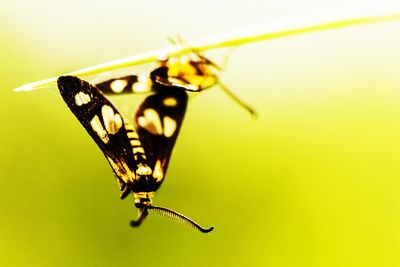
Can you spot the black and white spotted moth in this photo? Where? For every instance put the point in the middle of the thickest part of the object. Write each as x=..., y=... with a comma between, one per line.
x=138, y=153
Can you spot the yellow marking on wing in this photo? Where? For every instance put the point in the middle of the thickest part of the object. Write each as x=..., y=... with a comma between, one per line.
x=170, y=102
x=158, y=173
x=121, y=170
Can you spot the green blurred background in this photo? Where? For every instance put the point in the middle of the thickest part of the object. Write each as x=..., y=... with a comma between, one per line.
x=314, y=181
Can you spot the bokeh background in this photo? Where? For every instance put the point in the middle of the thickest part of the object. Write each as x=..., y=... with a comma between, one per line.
x=314, y=181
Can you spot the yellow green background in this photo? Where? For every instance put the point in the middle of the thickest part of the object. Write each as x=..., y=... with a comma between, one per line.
x=314, y=181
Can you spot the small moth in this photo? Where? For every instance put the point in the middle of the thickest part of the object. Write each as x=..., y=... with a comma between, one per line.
x=138, y=151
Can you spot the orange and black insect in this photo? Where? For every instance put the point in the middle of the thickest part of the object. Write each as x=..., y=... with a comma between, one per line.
x=139, y=149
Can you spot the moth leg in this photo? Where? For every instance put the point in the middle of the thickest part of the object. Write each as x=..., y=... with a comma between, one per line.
x=237, y=99
x=142, y=214
x=126, y=189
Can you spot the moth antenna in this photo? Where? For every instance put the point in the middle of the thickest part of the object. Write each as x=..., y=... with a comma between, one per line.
x=171, y=40
x=224, y=64
x=179, y=218
x=238, y=100
x=142, y=214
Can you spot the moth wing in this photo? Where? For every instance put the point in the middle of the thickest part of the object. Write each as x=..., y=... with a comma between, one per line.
x=130, y=84
x=102, y=121
x=158, y=121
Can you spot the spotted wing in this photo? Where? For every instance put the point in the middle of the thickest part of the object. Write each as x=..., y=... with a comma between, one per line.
x=133, y=84
x=103, y=122
x=158, y=121
x=130, y=84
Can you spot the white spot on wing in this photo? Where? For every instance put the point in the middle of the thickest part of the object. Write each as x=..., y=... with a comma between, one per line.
x=112, y=122
x=142, y=85
x=118, y=86
x=81, y=98
x=169, y=126
x=139, y=87
x=151, y=121
x=98, y=128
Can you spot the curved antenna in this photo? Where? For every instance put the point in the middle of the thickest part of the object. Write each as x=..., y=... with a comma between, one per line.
x=142, y=214
x=179, y=218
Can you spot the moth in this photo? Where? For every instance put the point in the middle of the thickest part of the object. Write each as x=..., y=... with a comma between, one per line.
x=139, y=150
x=193, y=72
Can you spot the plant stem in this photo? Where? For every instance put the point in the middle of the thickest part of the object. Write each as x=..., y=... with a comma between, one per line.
x=219, y=41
